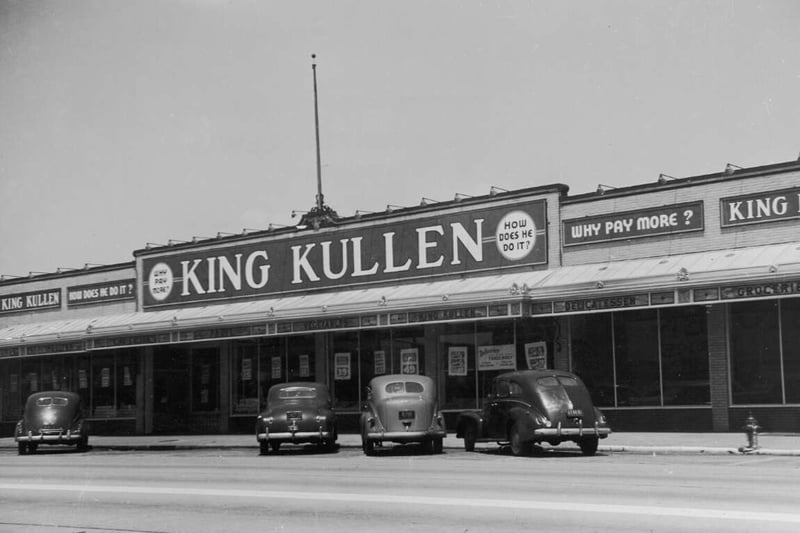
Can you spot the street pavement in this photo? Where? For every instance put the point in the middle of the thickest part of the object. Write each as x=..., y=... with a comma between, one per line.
x=787, y=444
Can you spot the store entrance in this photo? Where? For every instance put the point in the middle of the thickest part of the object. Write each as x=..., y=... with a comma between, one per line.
x=171, y=390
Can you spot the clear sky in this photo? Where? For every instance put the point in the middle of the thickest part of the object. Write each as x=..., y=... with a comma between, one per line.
x=127, y=122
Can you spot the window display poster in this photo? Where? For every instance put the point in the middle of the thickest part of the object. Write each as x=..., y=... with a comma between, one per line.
x=54, y=379
x=305, y=368
x=83, y=381
x=341, y=366
x=105, y=377
x=536, y=355
x=127, y=381
x=205, y=374
x=13, y=383
x=380, y=362
x=409, y=361
x=457, y=361
x=276, y=368
x=500, y=357
x=204, y=396
x=34, y=380
x=247, y=369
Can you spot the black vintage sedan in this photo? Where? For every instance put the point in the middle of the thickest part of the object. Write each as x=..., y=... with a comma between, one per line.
x=535, y=406
x=298, y=412
x=52, y=417
x=402, y=408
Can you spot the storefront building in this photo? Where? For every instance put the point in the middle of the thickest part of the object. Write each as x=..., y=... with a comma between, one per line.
x=677, y=302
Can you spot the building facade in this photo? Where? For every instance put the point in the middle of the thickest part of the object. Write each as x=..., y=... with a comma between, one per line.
x=677, y=302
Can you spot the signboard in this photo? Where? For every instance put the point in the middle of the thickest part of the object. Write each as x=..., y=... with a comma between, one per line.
x=456, y=243
x=101, y=292
x=500, y=357
x=30, y=301
x=665, y=220
x=760, y=207
x=600, y=304
x=380, y=362
x=761, y=290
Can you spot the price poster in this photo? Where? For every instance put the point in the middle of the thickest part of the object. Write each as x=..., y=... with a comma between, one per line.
x=247, y=369
x=380, y=362
x=536, y=355
x=409, y=361
x=305, y=368
x=276, y=368
x=341, y=366
x=457, y=361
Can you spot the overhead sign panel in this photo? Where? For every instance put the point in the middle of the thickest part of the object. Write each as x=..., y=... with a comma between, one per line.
x=468, y=241
x=761, y=207
x=664, y=220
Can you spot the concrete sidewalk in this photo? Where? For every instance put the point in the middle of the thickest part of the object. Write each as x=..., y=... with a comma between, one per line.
x=627, y=442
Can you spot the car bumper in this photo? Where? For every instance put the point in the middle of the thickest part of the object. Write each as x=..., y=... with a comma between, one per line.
x=50, y=438
x=570, y=433
x=405, y=436
x=297, y=436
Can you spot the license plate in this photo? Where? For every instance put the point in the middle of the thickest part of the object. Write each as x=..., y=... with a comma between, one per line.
x=294, y=415
x=574, y=413
x=407, y=415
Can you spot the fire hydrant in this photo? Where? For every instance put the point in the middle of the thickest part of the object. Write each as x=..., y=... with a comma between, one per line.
x=751, y=428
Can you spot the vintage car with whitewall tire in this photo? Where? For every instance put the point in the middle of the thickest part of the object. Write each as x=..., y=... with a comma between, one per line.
x=530, y=407
x=52, y=417
x=402, y=408
x=297, y=413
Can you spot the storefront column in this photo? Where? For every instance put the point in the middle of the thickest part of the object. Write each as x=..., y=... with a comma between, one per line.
x=719, y=370
x=224, y=386
x=144, y=411
x=321, y=359
x=561, y=345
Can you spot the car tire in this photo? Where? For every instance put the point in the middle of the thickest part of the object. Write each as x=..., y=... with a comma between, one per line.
x=519, y=447
x=369, y=447
x=22, y=448
x=470, y=437
x=588, y=445
x=275, y=445
x=83, y=444
x=263, y=447
x=32, y=446
x=438, y=446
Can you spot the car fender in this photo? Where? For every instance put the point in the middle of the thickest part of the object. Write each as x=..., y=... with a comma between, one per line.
x=525, y=419
x=473, y=418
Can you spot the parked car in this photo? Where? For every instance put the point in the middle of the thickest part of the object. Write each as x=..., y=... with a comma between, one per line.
x=52, y=417
x=534, y=406
x=402, y=408
x=297, y=412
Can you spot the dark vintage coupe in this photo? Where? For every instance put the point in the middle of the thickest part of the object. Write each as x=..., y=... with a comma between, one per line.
x=402, y=408
x=298, y=412
x=52, y=417
x=535, y=406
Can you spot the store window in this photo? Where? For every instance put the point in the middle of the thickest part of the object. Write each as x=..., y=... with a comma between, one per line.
x=755, y=353
x=205, y=379
x=103, y=386
x=496, y=352
x=593, y=355
x=344, y=348
x=408, y=350
x=10, y=397
x=457, y=346
x=684, y=356
x=300, y=358
x=637, y=358
x=244, y=378
x=790, y=332
x=374, y=355
x=271, y=365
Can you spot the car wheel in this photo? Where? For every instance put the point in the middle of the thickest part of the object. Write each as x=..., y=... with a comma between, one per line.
x=589, y=445
x=438, y=445
x=83, y=444
x=263, y=447
x=22, y=448
x=32, y=446
x=276, y=445
x=368, y=446
x=519, y=447
x=470, y=436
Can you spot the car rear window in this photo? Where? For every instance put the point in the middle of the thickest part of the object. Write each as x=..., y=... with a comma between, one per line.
x=553, y=381
x=399, y=387
x=47, y=400
x=297, y=392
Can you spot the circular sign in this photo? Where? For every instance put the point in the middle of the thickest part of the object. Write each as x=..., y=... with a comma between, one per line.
x=160, y=281
x=515, y=235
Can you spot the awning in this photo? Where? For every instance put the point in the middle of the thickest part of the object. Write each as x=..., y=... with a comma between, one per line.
x=741, y=265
